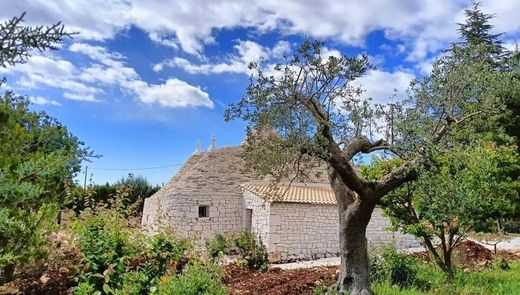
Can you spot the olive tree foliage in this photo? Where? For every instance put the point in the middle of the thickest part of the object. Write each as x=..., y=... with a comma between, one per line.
x=309, y=110
x=38, y=155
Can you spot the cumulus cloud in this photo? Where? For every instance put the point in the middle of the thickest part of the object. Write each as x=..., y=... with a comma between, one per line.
x=245, y=52
x=47, y=71
x=425, y=26
x=281, y=48
x=174, y=93
x=380, y=86
x=106, y=70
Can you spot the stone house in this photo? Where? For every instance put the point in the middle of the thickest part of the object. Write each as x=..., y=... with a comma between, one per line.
x=214, y=193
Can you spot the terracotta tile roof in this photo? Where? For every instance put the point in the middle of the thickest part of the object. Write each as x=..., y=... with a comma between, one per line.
x=293, y=193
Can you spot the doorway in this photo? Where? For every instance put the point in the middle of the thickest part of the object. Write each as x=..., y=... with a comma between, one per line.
x=248, y=219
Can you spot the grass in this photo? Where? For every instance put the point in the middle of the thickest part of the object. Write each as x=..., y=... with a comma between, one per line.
x=490, y=281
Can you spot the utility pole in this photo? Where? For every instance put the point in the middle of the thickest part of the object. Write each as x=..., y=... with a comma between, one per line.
x=85, y=181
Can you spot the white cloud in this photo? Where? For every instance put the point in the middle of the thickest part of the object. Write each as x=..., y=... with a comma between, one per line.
x=107, y=70
x=97, y=53
x=80, y=97
x=52, y=72
x=43, y=101
x=380, y=85
x=327, y=52
x=425, y=26
x=512, y=45
x=246, y=52
x=174, y=93
x=281, y=48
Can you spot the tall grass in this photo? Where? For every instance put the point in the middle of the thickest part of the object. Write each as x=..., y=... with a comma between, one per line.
x=493, y=281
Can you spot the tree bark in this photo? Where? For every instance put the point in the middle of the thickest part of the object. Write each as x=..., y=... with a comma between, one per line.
x=354, y=278
x=354, y=216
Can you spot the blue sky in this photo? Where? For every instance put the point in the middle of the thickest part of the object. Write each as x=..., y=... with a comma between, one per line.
x=143, y=81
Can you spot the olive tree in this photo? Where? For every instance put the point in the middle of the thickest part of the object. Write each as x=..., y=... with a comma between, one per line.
x=310, y=111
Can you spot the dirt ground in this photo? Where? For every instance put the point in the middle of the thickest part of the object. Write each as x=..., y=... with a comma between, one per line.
x=277, y=281
x=56, y=276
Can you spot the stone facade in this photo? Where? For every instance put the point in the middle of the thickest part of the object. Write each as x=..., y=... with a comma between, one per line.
x=303, y=231
x=379, y=233
x=308, y=231
x=304, y=226
x=260, y=217
x=182, y=215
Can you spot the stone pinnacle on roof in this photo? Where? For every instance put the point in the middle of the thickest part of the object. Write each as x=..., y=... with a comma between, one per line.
x=213, y=145
x=197, y=148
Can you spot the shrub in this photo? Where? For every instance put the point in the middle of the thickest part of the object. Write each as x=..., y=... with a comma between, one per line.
x=196, y=279
x=394, y=267
x=512, y=226
x=218, y=246
x=105, y=247
x=165, y=250
x=117, y=259
x=134, y=283
x=84, y=289
x=253, y=251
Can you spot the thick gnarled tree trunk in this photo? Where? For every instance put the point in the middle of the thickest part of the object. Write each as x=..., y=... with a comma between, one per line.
x=354, y=216
x=354, y=276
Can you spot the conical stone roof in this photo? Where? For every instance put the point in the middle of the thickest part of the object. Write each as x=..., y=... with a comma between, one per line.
x=216, y=172
x=220, y=171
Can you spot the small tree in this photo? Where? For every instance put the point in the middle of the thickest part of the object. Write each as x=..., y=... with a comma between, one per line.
x=467, y=190
x=315, y=115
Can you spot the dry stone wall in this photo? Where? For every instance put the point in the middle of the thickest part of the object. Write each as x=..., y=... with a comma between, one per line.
x=303, y=231
x=289, y=230
x=379, y=233
x=309, y=231
x=181, y=213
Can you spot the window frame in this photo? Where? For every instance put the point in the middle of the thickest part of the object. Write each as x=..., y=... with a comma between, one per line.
x=203, y=211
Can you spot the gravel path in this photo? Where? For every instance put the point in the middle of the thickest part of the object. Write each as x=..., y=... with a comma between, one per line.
x=332, y=261
x=511, y=244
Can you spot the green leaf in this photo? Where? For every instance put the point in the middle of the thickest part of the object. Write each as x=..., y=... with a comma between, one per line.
x=107, y=289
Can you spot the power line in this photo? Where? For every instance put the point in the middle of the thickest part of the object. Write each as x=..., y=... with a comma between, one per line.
x=134, y=169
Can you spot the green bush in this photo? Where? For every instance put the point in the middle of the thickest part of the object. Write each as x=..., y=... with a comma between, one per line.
x=105, y=249
x=84, y=289
x=512, y=226
x=117, y=259
x=134, y=283
x=164, y=250
x=218, y=246
x=391, y=266
x=253, y=251
x=196, y=279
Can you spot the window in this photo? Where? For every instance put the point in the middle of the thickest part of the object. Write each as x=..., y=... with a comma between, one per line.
x=203, y=211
